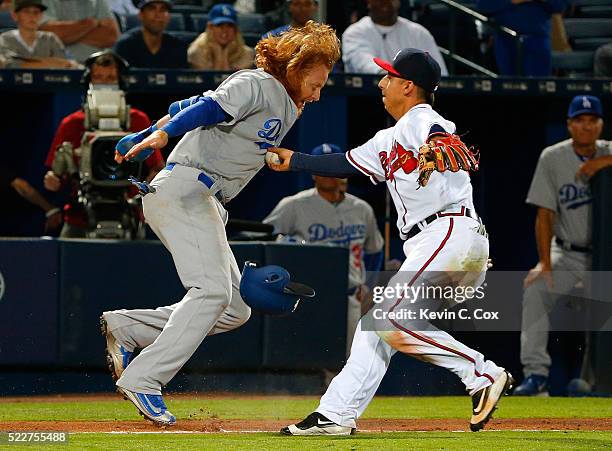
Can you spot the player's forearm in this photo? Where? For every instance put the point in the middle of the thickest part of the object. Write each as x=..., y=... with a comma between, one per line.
x=104, y=35
x=69, y=31
x=29, y=193
x=330, y=165
x=545, y=220
x=203, y=113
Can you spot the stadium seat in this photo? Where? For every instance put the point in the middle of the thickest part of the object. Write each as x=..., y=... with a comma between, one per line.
x=129, y=22
x=198, y=22
x=187, y=10
x=573, y=62
x=588, y=28
x=595, y=11
x=580, y=3
x=6, y=21
x=186, y=36
x=589, y=43
x=177, y=22
x=252, y=23
x=251, y=39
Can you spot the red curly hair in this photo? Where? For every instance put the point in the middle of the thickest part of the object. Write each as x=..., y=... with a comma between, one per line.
x=287, y=56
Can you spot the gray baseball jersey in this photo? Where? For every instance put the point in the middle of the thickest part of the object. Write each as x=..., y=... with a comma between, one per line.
x=351, y=223
x=46, y=45
x=554, y=187
x=232, y=152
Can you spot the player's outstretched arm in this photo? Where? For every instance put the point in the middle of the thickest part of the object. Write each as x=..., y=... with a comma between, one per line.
x=329, y=165
x=132, y=145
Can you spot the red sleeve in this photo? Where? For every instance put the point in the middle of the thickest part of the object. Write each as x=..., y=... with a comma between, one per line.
x=71, y=129
x=139, y=121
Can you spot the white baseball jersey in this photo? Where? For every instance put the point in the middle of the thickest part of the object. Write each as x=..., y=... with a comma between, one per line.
x=232, y=152
x=392, y=156
x=351, y=223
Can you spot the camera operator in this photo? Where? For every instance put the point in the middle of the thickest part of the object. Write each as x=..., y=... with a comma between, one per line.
x=102, y=68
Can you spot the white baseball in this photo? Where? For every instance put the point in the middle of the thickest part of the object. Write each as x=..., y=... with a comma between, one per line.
x=272, y=158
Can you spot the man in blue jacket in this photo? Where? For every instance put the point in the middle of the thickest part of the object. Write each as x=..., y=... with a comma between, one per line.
x=531, y=19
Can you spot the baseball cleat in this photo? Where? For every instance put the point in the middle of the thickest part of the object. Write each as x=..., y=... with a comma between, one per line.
x=117, y=357
x=484, y=402
x=533, y=385
x=317, y=424
x=152, y=407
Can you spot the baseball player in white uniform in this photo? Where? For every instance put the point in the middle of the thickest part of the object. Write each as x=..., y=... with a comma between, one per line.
x=441, y=231
x=327, y=214
x=562, y=194
x=227, y=132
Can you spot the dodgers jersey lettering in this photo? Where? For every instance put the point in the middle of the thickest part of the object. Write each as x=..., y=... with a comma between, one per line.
x=232, y=152
x=392, y=156
x=350, y=223
x=554, y=187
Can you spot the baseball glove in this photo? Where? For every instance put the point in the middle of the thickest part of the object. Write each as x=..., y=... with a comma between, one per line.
x=445, y=152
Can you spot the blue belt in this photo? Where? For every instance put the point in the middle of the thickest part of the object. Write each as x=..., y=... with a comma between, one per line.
x=206, y=180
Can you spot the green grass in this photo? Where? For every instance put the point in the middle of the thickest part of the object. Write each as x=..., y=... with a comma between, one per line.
x=274, y=408
x=407, y=441
x=288, y=408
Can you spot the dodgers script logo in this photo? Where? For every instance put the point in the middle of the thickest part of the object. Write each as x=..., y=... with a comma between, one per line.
x=342, y=235
x=270, y=132
x=573, y=196
x=399, y=158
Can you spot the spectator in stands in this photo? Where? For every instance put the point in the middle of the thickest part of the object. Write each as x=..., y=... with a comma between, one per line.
x=151, y=46
x=84, y=26
x=383, y=33
x=27, y=47
x=122, y=7
x=530, y=18
x=221, y=46
x=301, y=11
x=105, y=68
x=603, y=61
x=561, y=192
x=18, y=199
x=6, y=5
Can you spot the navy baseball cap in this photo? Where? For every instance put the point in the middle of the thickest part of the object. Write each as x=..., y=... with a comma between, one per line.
x=414, y=65
x=326, y=148
x=584, y=105
x=142, y=3
x=222, y=13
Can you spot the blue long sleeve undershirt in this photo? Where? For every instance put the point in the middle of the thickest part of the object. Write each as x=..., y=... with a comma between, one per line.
x=328, y=165
x=200, y=112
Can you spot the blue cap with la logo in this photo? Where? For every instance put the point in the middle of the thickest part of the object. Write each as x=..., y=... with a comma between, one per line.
x=584, y=105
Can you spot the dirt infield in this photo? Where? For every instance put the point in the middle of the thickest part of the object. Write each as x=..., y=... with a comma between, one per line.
x=216, y=425
x=369, y=425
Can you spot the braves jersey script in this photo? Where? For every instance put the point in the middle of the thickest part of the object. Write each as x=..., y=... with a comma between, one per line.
x=554, y=187
x=307, y=216
x=232, y=152
x=392, y=156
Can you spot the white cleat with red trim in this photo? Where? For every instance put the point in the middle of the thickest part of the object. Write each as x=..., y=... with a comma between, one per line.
x=484, y=402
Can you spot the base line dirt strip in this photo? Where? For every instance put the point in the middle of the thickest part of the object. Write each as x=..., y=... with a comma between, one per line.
x=369, y=425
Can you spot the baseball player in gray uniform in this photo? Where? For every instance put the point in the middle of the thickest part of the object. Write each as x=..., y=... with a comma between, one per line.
x=327, y=214
x=227, y=132
x=561, y=192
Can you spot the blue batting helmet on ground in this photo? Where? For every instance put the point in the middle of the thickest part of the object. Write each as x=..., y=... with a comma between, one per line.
x=269, y=289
